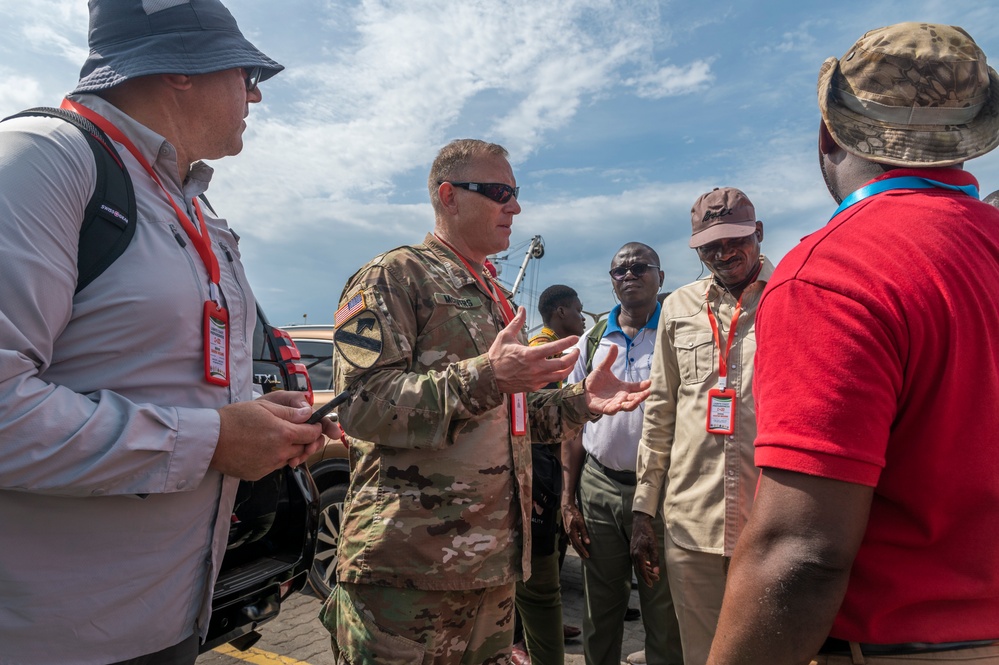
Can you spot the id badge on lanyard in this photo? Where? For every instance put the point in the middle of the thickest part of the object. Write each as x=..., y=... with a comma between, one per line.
x=215, y=320
x=721, y=411
x=518, y=401
x=216, y=343
x=518, y=414
x=721, y=400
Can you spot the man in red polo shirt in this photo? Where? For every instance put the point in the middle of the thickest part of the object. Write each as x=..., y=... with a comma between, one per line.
x=875, y=532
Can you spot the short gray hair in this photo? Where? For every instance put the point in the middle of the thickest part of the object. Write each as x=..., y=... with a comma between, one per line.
x=453, y=159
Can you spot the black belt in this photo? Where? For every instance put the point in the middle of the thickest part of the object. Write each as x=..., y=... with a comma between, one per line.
x=836, y=647
x=623, y=477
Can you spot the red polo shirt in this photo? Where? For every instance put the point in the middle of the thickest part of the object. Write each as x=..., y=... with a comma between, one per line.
x=878, y=364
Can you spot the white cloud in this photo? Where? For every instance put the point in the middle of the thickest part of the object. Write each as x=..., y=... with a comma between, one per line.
x=19, y=91
x=672, y=80
x=52, y=27
x=49, y=37
x=367, y=117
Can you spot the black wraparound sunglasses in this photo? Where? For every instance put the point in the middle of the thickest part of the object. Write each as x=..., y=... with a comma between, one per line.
x=496, y=191
x=636, y=269
x=252, y=78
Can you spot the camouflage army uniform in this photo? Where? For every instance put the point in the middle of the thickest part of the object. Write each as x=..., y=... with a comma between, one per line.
x=440, y=488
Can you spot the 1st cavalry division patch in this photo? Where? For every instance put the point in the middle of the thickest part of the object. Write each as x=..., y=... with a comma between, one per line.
x=359, y=341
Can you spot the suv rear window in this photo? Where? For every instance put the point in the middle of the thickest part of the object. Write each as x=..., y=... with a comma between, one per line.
x=317, y=356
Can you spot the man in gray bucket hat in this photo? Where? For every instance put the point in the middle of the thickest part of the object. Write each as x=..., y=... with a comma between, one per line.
x=874, y=535
x=126, y=409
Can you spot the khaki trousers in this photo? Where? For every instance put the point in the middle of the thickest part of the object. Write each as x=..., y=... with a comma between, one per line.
x=697, y=584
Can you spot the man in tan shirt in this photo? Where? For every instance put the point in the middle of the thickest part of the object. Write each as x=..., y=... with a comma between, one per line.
x=695, y=458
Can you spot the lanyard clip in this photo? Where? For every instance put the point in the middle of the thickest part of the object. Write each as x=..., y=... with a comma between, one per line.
x=213, y=294
x=722, y=382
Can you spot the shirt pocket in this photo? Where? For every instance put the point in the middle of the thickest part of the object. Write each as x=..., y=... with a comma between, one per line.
x=695, y=356
x=451, y=335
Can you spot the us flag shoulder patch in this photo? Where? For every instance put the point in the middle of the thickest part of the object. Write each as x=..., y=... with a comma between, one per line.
x=349, y=309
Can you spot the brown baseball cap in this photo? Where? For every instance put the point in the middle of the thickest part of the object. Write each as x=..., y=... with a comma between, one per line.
x=724, y=212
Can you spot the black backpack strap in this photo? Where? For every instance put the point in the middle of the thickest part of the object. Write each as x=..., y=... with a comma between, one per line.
x=204, y=199
x=110, y=215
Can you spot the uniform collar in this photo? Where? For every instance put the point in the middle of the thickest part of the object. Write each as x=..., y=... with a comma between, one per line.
x=450, y=259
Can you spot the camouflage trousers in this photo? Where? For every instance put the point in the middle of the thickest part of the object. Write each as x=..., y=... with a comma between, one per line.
x=391, y=626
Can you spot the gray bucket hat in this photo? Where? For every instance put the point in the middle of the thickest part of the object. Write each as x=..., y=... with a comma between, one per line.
x=132, y=38
x=912, y=94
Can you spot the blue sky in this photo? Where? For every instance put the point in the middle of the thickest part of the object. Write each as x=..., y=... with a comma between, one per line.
x=618, y=114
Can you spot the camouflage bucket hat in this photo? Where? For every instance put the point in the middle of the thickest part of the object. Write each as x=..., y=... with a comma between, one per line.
x=912, y=94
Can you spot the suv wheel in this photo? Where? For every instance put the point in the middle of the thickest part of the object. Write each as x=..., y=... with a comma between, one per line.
x=322, y=576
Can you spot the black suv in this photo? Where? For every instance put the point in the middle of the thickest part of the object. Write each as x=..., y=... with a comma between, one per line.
x=272, y=539
x=330, y=466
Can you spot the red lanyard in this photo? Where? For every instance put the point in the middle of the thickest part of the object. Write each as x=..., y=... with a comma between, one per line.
x=724, y=355
x=215, y=323
x=518, y=401
x=494, y=291
x=199, y=237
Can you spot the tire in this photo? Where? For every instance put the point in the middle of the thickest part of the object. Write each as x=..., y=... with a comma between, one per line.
x=322, y=576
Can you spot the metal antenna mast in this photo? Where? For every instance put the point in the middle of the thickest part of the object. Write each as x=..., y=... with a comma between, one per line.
x=534, y=251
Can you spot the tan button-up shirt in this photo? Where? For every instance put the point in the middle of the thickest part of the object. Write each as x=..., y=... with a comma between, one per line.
x=704, y=482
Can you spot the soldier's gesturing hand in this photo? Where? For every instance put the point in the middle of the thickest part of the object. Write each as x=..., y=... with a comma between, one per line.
x=522, y=369
x=607, y=394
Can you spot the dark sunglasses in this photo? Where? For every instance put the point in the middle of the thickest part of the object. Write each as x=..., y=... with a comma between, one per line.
x=252, y=78
x=636, y=269
x=496, y=191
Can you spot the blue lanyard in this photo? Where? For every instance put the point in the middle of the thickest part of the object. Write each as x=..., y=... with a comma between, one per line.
x=902, y=182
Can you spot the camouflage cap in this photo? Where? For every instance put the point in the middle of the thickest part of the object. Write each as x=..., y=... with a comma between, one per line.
x=724, y=212
x=912, y=94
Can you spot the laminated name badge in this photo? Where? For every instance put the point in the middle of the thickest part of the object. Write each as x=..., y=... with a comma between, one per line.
x=721, y=400
x=518, y=414
x=721, y=411
x=216, y=344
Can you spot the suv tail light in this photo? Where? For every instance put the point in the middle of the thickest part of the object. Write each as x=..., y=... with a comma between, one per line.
x=290, y=358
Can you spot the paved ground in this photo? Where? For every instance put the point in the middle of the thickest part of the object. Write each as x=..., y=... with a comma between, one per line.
x=297, y=638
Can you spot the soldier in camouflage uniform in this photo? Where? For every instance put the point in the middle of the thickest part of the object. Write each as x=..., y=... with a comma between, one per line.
x=432, y=539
